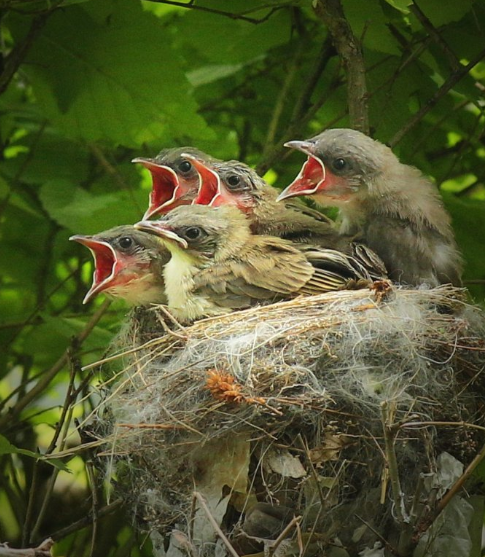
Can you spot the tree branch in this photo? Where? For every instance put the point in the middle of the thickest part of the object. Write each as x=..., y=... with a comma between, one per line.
x=434, y=34
x=54, y=370
x=231, y=15
x=350, y=51
x=17, y=55
x=452, y=80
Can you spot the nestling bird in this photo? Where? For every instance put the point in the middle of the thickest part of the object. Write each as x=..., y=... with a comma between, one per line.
x=234, y=183
x=128, y=264
x=175, y=180
x=218, y=265
x=393, y=208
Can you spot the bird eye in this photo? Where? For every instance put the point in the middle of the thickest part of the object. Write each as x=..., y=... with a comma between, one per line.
x=126, y=242
x=339, y=164
x=185, y=166
x=233, y=181
x=193, y=233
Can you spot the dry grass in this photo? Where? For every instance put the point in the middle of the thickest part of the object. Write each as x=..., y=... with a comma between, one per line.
x=313, y=407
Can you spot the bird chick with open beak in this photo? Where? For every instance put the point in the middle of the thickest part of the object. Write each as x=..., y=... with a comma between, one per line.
x=218, y=265
x=175, y=180
x=128, y=264
x=396, y=210
x=236, y=184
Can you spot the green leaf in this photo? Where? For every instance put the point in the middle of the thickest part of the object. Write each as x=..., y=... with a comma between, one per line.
x=401, y=5
x=237, y=41
x=369, y=24
x=7, y=448
x=85, y=213
x=107, y=71
x=441, y=13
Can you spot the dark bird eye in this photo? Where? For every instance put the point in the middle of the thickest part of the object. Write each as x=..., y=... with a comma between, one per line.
x=185, y=166
x=233, y=181
x=193, y=233
x=339, y=164
x=126, y=242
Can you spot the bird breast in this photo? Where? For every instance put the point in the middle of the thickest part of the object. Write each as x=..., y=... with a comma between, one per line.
x=179, y=288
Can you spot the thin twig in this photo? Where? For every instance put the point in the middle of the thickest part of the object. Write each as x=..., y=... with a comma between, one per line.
x=445, y=500
x=216, y=526
x=18, y=54
x=435, y=35
x=114, y=172
x=379, y=536
x=282, y=98
x=294, y=522
x=231, y=15
x=390, y=432
x=350, y=51
x=452, y=80
x=87, y=520
x=49, y=375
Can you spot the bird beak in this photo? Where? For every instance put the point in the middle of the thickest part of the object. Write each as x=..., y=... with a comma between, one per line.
x=306, y=147
x=106, y=264
x=163, y=231
x=309, y=180
x=165, y=189
x=210, y=184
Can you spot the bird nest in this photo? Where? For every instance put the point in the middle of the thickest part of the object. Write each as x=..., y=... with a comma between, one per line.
x=324, y=425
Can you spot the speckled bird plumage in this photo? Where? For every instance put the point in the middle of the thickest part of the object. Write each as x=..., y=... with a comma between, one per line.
x=229, y=268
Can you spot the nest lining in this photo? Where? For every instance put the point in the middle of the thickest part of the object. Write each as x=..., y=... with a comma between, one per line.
x=290, y=396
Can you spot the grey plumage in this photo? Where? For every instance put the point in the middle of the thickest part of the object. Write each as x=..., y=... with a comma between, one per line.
x=392, y=207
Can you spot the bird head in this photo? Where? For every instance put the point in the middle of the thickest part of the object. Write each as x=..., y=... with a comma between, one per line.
x=341, y=166
x=199, y=232
x=228, y=183
x=124, y=265
x=175, y=180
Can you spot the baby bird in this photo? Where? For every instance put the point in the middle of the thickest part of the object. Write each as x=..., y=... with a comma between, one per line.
x=234, y=183
x=128, y=264
x=175, y=180
x=218, y=265
x=395, y=210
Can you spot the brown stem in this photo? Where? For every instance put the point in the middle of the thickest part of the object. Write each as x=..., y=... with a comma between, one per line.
x=350, y=51
x=18, y=54
x=434, y=34
x=216, y=526
x=452, y=80
x=38, y=389
x=445, y=500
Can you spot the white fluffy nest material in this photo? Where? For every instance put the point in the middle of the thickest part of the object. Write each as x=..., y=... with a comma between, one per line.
x=279, y=411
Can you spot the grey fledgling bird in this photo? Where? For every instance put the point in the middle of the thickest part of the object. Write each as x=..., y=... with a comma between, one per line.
x=393, y=208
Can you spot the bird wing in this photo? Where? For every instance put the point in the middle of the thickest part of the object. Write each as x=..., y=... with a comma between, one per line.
x=269, y=269
x=273, y=269
x=334, y=270
x=370, y=260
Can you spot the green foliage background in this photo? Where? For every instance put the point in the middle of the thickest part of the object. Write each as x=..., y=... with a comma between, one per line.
x=88, y=85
